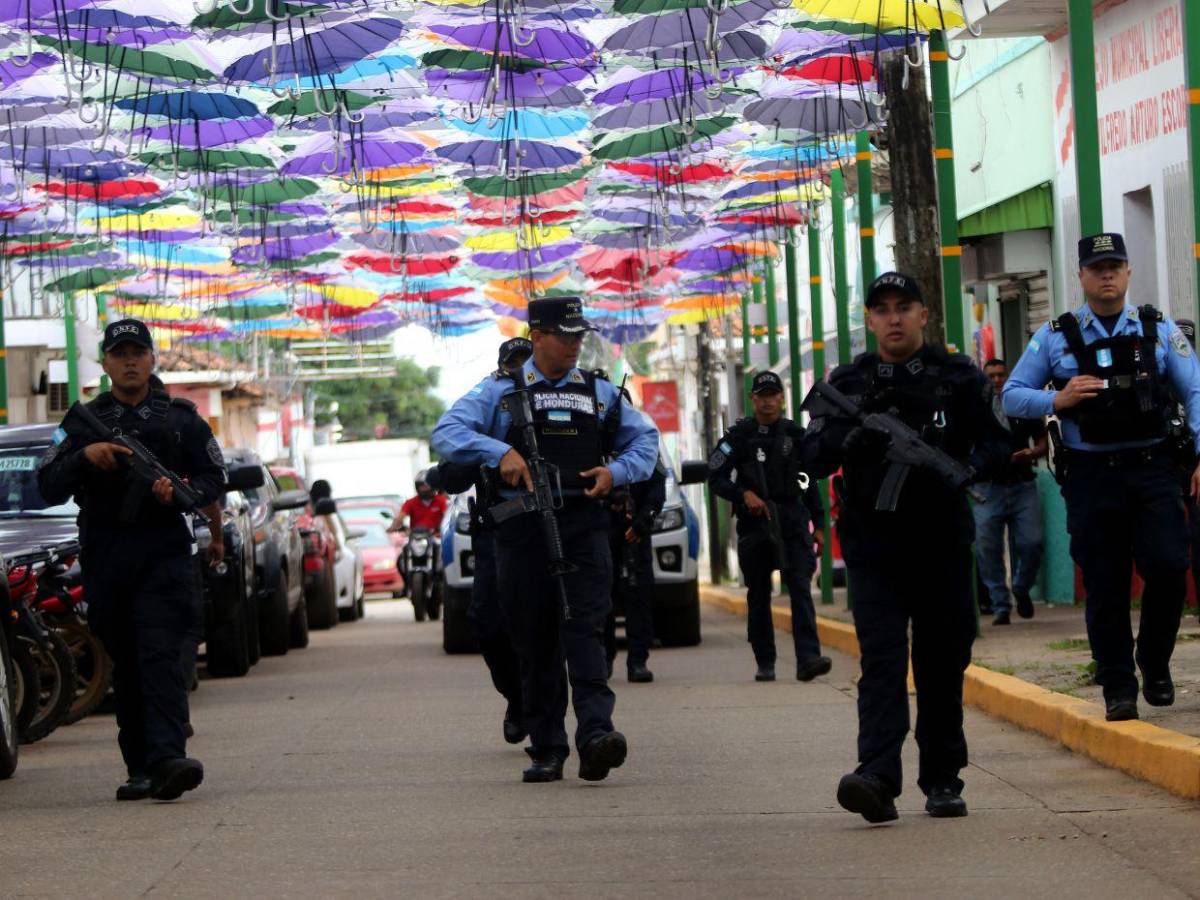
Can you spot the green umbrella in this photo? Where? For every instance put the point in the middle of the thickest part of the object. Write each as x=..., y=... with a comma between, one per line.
x=473, y=61
x=306, y=105
x=135, y=62
x=267, y=193
x=660, y=140
x=526, y=185
x=87, y=279
x=225, y=18
x=208, y=160
x=313, y=259
x=250, y=310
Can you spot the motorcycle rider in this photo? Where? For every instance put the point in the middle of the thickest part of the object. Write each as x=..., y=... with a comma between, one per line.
x=425, y=510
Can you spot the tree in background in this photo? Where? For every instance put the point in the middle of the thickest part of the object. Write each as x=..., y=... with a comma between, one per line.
x=401, y=405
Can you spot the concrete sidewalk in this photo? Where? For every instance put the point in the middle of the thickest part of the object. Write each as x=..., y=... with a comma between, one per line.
x=371, y=765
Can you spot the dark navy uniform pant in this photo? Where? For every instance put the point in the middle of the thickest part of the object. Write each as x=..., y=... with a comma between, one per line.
x=931, y=586
x=145, y=607
x=490, y=628
x=554, y=652
x=1121, y=513
x=757, y=560
x=638, y=603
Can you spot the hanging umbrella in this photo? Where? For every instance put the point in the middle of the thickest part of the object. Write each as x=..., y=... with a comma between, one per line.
x=87, y=280
x=814, y=115
x=318, y=52
x=660, y=140
x=190, y=105
x=322, y=156
x=149, y=63
x=924, y=15
x=665, y=83
x=654, y=113
x=547, y=44
x=529, y=155
x=686, y=26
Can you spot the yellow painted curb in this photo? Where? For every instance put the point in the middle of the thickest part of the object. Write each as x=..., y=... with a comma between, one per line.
x=1163, y=757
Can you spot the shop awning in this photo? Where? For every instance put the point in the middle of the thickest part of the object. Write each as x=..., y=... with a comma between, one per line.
x=1033, y=208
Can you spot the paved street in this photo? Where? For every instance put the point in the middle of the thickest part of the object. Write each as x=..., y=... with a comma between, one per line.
x=371, y=765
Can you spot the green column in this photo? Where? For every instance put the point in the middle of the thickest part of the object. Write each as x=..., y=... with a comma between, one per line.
x=745, y=353
x=3, y=367
x=818, y=351
x=102, y=322
x=866, y=217
x=1087, y=126
x=772, y=313
x=943, y=152
x=1192, y=48
x=841, y=287
x=71, y=350
x=793, y=313
x=757, y=293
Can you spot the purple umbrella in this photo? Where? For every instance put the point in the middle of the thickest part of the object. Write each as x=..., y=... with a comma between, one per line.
x=657, y=85
x=540, y=83
x=197, y=133
x=526, y=259
x=656, y=113
x=11, y=73
x=288, y=248
x=739, y=46
x=374, y=121
x=25, y=10
x=46, y=159
x=28, y=112
x=709, y=260
x=362, y=155
x=530, y=155
x=685, y=27
x=813, y=115
x=313, y=53
x=496, y=37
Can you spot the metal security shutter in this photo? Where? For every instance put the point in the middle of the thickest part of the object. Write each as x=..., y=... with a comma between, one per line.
x=1180, y=227
x=1037, y=302
x=1070, y=241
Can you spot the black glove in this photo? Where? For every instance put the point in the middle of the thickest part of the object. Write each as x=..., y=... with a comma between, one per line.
x=866, y=443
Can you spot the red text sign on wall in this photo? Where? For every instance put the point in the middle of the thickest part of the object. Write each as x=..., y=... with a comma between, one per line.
x=660, y=401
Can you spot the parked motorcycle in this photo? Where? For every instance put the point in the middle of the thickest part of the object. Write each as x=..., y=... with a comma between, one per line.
x=422, y=565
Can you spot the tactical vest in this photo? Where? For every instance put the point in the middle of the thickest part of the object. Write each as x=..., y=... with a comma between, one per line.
x=910, y=398
x=1134, y=404
x=781, y=466
x=568, y=422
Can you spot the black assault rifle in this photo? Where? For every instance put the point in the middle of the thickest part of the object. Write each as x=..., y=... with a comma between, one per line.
x=547, y=483
x=905, y=451
x=145, y=468
x=774, y=533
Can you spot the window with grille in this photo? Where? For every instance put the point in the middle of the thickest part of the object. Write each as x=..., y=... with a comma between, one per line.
x=58, y=397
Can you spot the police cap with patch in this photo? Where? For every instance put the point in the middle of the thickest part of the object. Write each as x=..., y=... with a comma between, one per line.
x=890, y=282
x=766, y=383
x=558, y=315
x=512, y=347
x=131, y=330
x=1100, y=247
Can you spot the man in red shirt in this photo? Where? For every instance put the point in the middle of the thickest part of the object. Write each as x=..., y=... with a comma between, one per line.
x=426, y=509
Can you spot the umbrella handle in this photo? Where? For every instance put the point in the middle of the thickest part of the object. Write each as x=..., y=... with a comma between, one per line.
x=317, y=91
x=337, y=156
x=204, y=8
x=782, y=4
x=91, y=118
x=961, y=53
x=243, y=12
x=21, y=63
x=347, y=114
x=270, y=15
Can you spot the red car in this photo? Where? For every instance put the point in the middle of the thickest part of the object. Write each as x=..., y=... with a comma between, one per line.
x=320, y=549
x=380, y=574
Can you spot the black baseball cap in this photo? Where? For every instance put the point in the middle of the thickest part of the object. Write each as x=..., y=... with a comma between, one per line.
x=1099, y=247
x=893, y=281
x=558, y=315
x=1188, y=327
x=131, y=330
x=512, y=347
x=765, y=383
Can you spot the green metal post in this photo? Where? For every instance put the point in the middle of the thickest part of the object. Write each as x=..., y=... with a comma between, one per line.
x=817, y=313
x=745, y=353
x=866, y=217
x=841, y=287
x=757, y=292
x=943, y=152
x=1191, y=17
x=3, y=367
x=1087, y=125
x=793, y=314
x=102, y=322
x=71, y=350
x=772, y=313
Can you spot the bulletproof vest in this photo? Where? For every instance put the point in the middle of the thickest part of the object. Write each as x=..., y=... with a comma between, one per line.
x=915, y=391
x=568, y=425
x=1135, y=404
x=781, y=466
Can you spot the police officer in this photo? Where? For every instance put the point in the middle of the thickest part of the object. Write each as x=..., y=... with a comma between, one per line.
x=569, y=409
x=1117, y=373
x=913, y=563
x=139, y=577
x=634, y=509
x=484, y=613
x=768, y=446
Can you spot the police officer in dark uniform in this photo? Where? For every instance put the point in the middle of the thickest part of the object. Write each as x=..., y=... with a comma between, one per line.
x=1118, y=373
x=570, y=408
x=767, y=445
x=139, y=575
x=484, y=613
x=910, y=564
x=634, y=509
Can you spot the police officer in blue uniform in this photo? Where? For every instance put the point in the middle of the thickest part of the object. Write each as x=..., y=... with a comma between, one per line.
x=1118, y=372
x=767, y=446
x=570, y=410
x=138, y=572
x=911, y=564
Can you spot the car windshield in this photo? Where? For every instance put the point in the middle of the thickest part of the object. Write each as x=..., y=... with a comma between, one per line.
x=375, y=536
x=19, y=494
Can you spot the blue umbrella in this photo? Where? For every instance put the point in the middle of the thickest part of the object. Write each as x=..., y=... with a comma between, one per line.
x=190, y=105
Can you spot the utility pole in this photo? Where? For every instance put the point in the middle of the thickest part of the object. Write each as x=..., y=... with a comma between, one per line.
x=1082, y=34
x=841, y=285
x=1191, y=16
x=866, y=219
x=817, y=313
x=72, y=350
x=951, y=252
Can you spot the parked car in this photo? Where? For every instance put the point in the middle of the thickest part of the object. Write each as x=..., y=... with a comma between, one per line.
x=380, y=574
x=348, y=565
x=278, y=559
x=675, y=542
x=231, y=613
x=320, y=554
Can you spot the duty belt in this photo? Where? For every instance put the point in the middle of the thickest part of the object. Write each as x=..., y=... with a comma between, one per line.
x=1129, y=456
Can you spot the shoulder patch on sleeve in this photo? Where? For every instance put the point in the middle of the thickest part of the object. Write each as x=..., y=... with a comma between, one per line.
x=214, y=452
x=60, y=435
x=1035, y=345
x=1180, y=344
x=716, y=459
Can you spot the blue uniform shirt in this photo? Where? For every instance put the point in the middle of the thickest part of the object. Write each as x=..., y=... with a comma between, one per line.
x=1047, y=358
x=472, y=431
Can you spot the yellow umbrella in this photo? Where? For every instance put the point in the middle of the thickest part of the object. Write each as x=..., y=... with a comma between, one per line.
x=154, y=220
x=925, y=15
x=395, y=173
x=348, y=296
x=163, y=312
x=507, y=240
x=700, y=315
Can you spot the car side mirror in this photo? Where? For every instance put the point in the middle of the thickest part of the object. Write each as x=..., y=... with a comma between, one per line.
x=326, y=506
x=355, y=534
x=244, y=478
x=290, y=500
x=693, y=471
